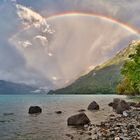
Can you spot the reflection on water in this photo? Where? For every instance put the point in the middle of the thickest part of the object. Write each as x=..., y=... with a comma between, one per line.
x=17, y=124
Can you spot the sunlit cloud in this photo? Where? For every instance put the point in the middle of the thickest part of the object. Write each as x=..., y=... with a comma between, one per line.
x=60, y=49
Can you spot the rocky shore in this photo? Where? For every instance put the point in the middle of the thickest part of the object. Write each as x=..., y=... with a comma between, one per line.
x=124, y=124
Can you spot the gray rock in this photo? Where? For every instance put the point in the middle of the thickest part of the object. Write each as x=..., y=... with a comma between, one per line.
x=93, y=106
x=122, y=106
x=78, y=119
x=115, y=103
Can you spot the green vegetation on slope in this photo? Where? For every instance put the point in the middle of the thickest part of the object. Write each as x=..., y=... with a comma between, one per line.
x=130, y=83
x=103, y=79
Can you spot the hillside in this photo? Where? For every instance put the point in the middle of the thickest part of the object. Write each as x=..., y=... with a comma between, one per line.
x=103, y=79
x=15, y=88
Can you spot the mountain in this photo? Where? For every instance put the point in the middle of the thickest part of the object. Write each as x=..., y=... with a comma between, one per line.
x=15, y=88
x=103, y=79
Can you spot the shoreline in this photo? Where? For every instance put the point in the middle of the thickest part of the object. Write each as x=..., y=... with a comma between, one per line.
x=116, y=126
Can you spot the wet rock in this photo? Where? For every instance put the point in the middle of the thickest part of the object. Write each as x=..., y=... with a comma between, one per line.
x=35, y=110
x=125, y=113
x=90, y=128
x=70, y=136
x=130, y=126
x=78, y=119
x=115, y=103
x=58, y=112
x=132, y=104
x=81, y=133
x=89, y=133
x=122, y=106
x=93, y=106
x=8, y=114
x=110, y=104
x=81, y=110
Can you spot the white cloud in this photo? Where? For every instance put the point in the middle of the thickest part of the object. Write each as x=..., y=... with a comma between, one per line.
x=25, y=44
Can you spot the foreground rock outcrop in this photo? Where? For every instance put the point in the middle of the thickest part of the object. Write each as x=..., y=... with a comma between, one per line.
x=78, y=119
x=122, y=125
x=93, y=106
x=35, y=110
x=120, y=105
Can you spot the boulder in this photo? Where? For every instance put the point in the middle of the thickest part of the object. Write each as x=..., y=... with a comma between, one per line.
x=93, y=106
x=115, y=103
x=35, y=110
x=122, y=106
x=80, y=119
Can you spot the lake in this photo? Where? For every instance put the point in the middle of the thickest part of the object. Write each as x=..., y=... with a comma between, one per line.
x=19, y=125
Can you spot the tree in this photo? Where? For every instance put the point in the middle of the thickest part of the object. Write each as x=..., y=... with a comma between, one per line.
x=131, y=74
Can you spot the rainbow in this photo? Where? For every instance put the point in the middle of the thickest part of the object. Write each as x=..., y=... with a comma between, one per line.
x=109, y=19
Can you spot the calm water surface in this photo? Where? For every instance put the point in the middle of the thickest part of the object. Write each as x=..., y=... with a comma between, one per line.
x=48, y=125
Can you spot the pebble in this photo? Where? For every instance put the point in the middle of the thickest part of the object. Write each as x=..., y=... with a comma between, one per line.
x=116, y=127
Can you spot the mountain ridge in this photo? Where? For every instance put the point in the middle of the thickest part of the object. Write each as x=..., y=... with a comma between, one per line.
x=7, y=87
x=103, y=79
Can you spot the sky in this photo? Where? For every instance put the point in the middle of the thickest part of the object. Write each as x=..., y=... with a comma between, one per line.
x=50, y=43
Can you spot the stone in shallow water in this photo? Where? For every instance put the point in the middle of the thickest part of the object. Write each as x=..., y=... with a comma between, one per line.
x=81, y=110
x=35, y=110
x=58, y=112
x=8, y=114
x=122, y=106
x=78, y=119
x=93, y=106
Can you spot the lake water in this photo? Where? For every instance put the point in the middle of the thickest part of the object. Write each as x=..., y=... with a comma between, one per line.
x=48, y=125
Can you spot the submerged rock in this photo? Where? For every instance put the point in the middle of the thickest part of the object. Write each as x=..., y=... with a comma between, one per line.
x=35, y=110
x=81, y=110
x=78, y=119
x=8, y=114
x=58, y=112
x=93, y=106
